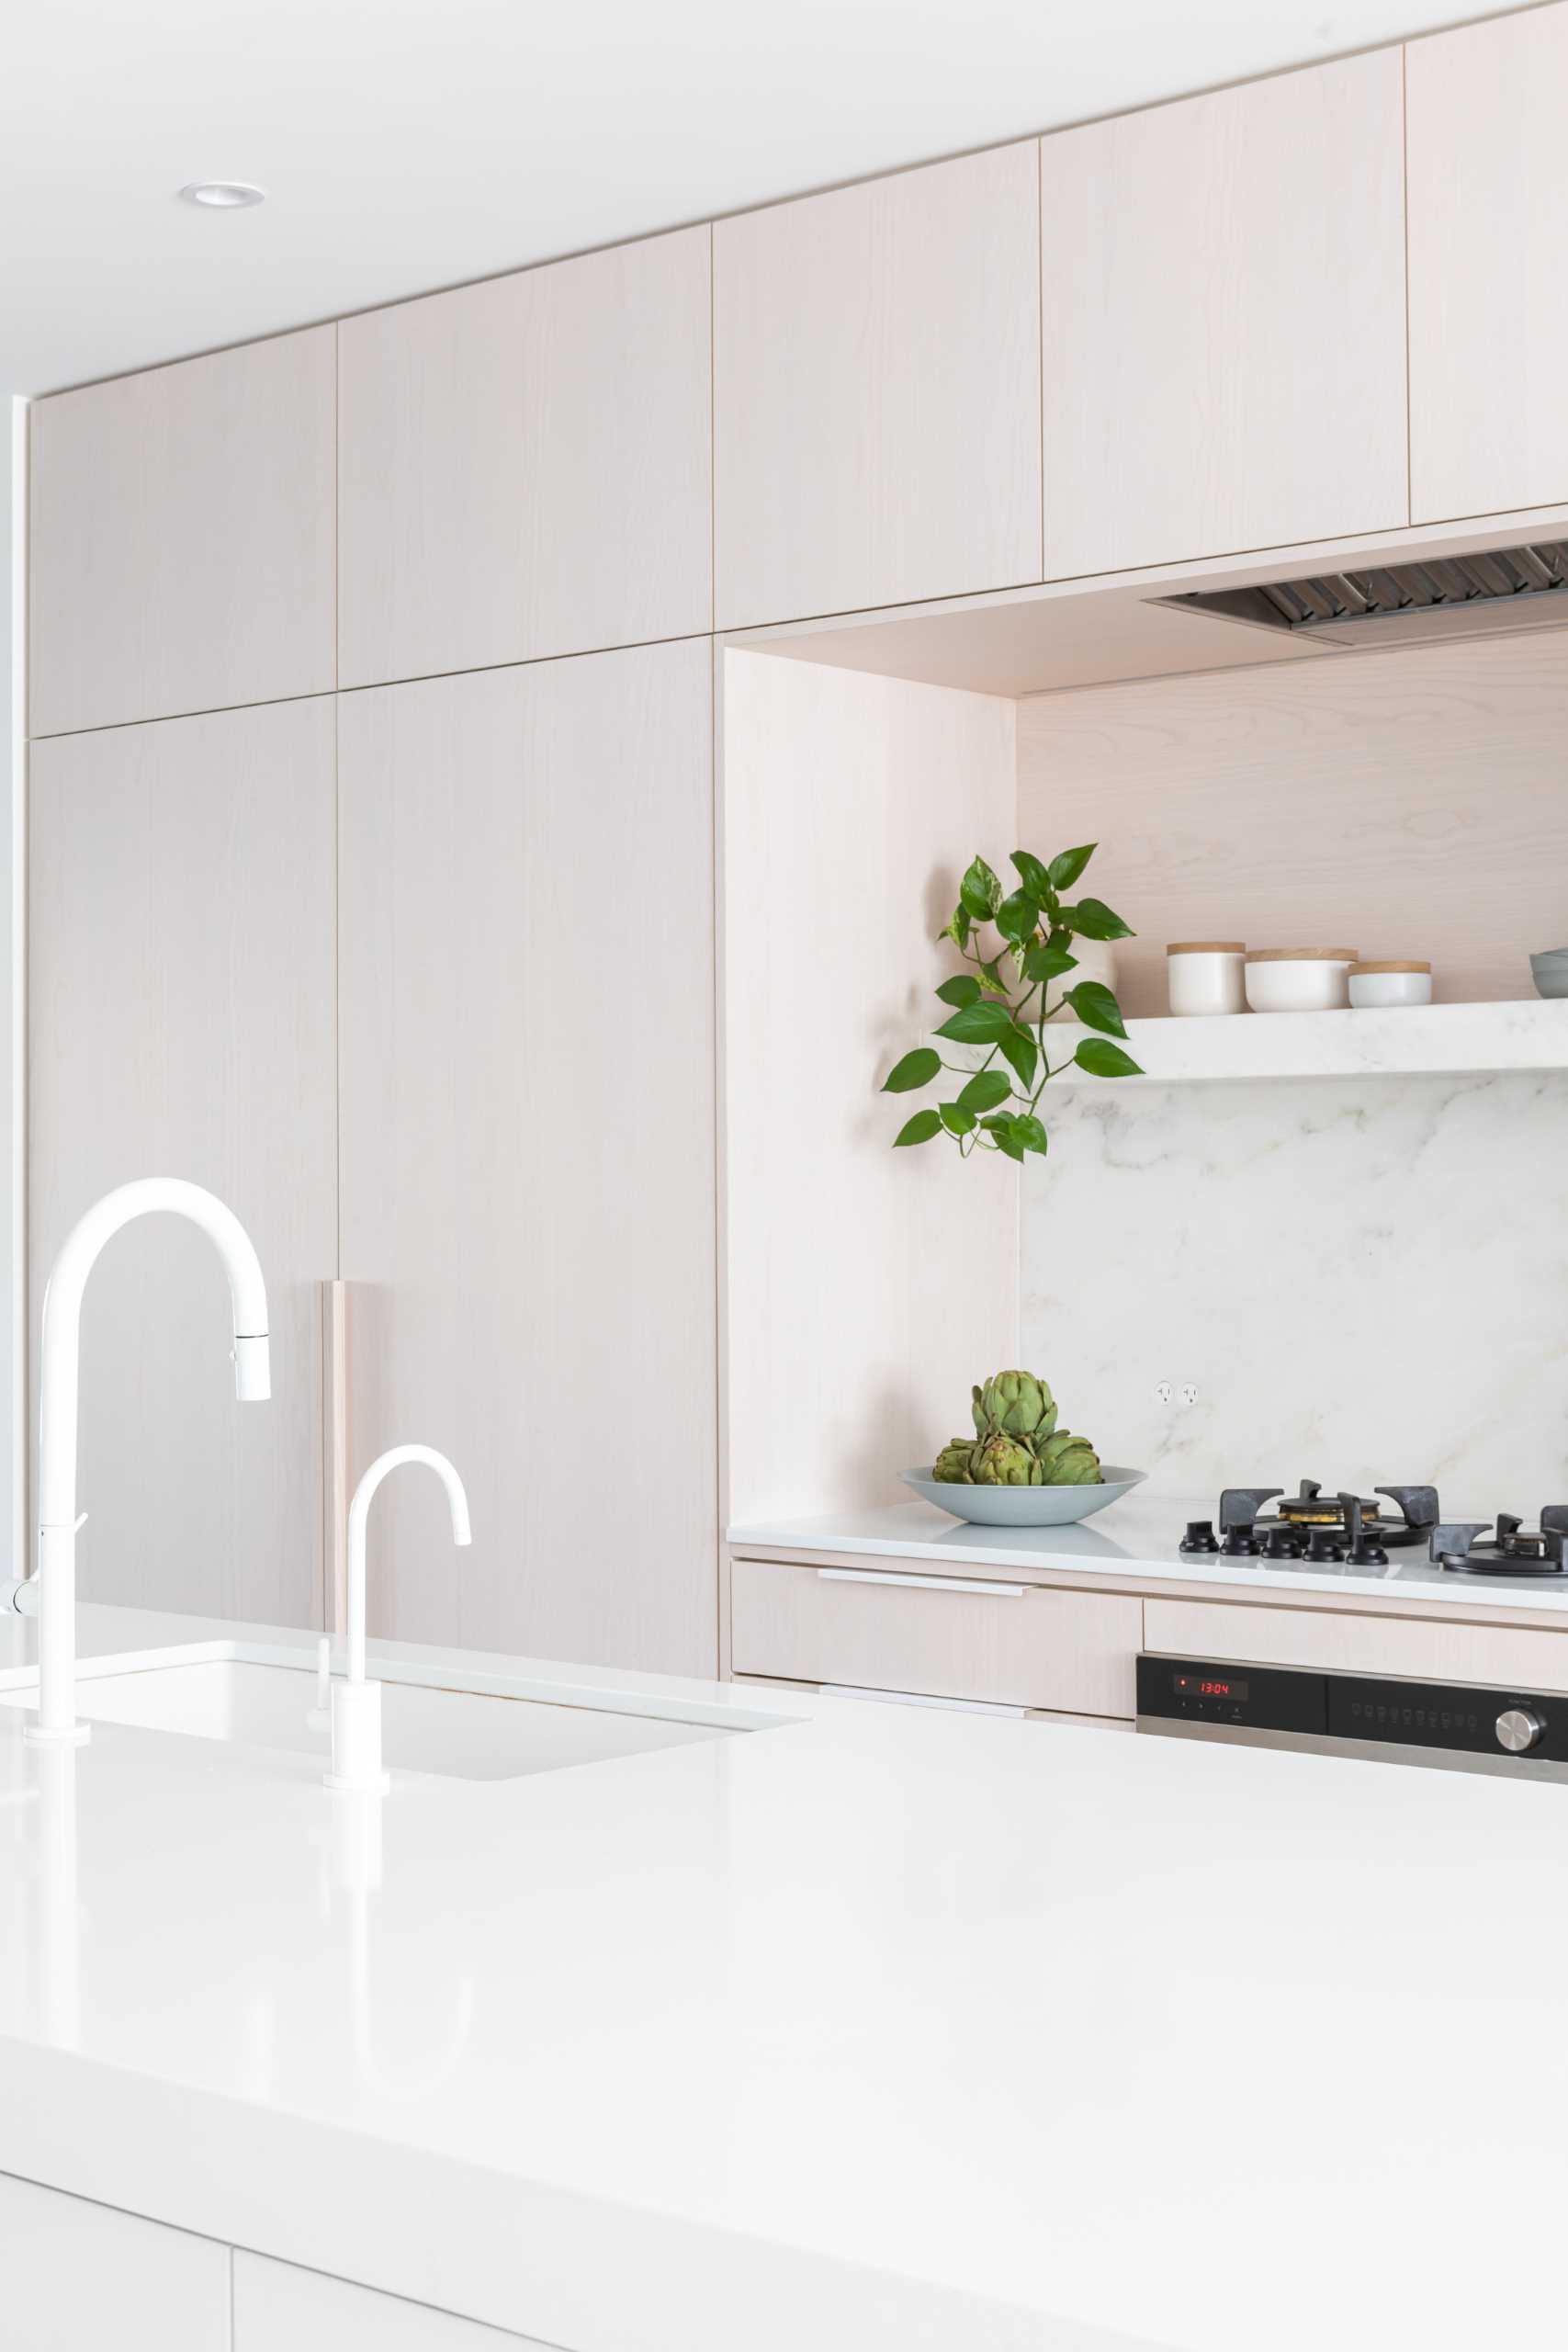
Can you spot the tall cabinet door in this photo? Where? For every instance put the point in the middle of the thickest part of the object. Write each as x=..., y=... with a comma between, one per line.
x=528, y=1149
x=181, y=1023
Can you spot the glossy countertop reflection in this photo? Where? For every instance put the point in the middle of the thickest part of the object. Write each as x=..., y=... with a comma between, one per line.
x=877, y=2028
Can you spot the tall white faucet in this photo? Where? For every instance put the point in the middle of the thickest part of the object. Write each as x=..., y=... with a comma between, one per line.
x=356, y=1705
x=58, y=1386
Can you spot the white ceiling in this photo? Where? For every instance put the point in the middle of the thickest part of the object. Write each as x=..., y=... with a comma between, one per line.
x=408, y=144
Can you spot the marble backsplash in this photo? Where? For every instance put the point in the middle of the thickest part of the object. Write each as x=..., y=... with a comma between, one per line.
x=1363, y=1281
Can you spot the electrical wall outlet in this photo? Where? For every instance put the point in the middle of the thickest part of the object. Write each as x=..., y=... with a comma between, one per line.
x=1189, y=1391
x=1164, y=1391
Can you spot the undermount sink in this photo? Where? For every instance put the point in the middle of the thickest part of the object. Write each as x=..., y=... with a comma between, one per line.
x=463, y=1734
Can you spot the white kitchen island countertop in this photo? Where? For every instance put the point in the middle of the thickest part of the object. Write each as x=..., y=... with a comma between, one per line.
x=879, y=2028
x=1139, y=1537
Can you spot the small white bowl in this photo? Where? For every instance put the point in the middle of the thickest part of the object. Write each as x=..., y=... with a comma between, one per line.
x=1382, y=985
x=1298, y=980
x=1203, y=976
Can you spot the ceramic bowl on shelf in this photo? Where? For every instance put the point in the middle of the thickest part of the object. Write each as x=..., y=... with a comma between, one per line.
x=1205, y=977
x=1299, y=979
x=1025, y=1506
x=1390, y=984
x=1549, y=971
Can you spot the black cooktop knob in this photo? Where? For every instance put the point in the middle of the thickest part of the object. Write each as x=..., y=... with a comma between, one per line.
x=1324, y=1545
x=1283, y=1544
x=1199, y=1536
x=1240, y=1543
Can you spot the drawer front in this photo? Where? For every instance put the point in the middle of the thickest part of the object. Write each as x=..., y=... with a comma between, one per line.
x=1349, y=1645
x=959, y=1637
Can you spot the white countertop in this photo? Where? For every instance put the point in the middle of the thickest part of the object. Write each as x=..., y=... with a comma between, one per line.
x=884, y=2028
x=1139, y=1537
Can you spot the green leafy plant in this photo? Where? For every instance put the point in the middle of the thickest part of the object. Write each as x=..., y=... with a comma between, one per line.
x=1002, y=1003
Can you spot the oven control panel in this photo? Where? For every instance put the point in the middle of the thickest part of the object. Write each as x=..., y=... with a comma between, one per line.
x=1208, y=1694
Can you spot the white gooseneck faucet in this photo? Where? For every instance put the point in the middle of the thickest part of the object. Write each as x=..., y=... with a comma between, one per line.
x=58, y=1389
x=356, y=1705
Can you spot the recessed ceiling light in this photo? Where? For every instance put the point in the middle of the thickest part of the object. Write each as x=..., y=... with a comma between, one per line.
x=223, y=196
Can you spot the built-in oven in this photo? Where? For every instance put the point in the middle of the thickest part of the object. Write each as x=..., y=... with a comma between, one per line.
x=1464, y=1727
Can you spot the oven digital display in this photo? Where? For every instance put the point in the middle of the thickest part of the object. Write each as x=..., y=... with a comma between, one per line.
x=1209, y=1686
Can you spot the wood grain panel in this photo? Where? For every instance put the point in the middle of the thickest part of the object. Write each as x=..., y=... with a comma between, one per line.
x=866, y=1288
x=1071, y=1652
x=1211, y=271
x=1488, y=231
x=181, y=529
x=1344, y=1642
x=1407, y=804
x=527, y=465
x=181, y=1023
x=528, y=1210
x=877, y=361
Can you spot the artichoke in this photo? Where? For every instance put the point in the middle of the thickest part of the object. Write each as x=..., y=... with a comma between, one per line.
x=951, y=1467
x=1017, y=1403
x=1067, y=1461
x=1003, y=1460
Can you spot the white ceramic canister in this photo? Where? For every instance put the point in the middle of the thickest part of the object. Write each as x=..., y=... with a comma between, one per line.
x=1204, y=976
x=1299, y=979
x=1096, y=961
x=1391, y=984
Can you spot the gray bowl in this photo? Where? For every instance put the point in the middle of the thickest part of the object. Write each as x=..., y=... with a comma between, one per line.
x=1025, y=1506
x=1551, y=972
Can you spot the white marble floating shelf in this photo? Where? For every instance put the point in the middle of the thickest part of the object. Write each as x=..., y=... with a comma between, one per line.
x=1527, y=1035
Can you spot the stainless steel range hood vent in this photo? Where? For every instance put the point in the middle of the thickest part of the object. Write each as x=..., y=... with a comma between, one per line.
x=1458, y=595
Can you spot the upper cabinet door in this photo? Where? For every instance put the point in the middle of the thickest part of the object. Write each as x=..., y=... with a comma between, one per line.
x=876, y=368
x=1489, y=266
x=527, y=466
x=181, y=525
x=1223, y=301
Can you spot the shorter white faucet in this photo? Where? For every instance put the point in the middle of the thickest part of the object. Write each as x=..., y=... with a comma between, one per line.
x=52, y=1592
x=356, y=1705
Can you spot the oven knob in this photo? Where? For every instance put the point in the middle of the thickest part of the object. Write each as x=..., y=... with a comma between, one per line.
x=1519, y=1728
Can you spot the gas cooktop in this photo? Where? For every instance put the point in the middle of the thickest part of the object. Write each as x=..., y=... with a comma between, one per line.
x=1312, y=1527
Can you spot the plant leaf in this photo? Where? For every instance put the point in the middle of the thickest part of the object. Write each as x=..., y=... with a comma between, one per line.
x=985, y=1091
x=918, y=1069
x=1018, y=1047
x=1028, y=1131
x=1043, y=964
x=1033, y=875
x=984, y=1023
x=992, y=973
x=1065, y=869
x=1092, y=919
x=980, y=893
x=955, y=1118
x=958, y=929
x=1005, y=1139
x=1097, y=1008
x=1018, y=917
x=962, y=989
x=919, y=1129
x=1102, y=1060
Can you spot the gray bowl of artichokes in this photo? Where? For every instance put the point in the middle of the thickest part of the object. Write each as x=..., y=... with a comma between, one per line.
x=1021, y=1468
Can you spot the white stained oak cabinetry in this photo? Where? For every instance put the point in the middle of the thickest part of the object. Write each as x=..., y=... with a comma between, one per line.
x=1488, y=238
x=279, y=2308
x=1224, y=307
x=1342, y=1641
x=982, y=1636
x=76, y=2277
x=876, y=404
x=527, y=465
x=181, y=526
x=181, y=1021
x=528, y=1149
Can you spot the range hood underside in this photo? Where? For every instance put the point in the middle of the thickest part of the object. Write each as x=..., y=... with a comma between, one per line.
x=1497, y=593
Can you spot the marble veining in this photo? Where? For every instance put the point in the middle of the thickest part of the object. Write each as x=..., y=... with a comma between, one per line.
x=1363, y=1281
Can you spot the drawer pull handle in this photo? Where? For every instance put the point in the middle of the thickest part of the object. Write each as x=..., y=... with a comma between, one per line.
x=922, y=1584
